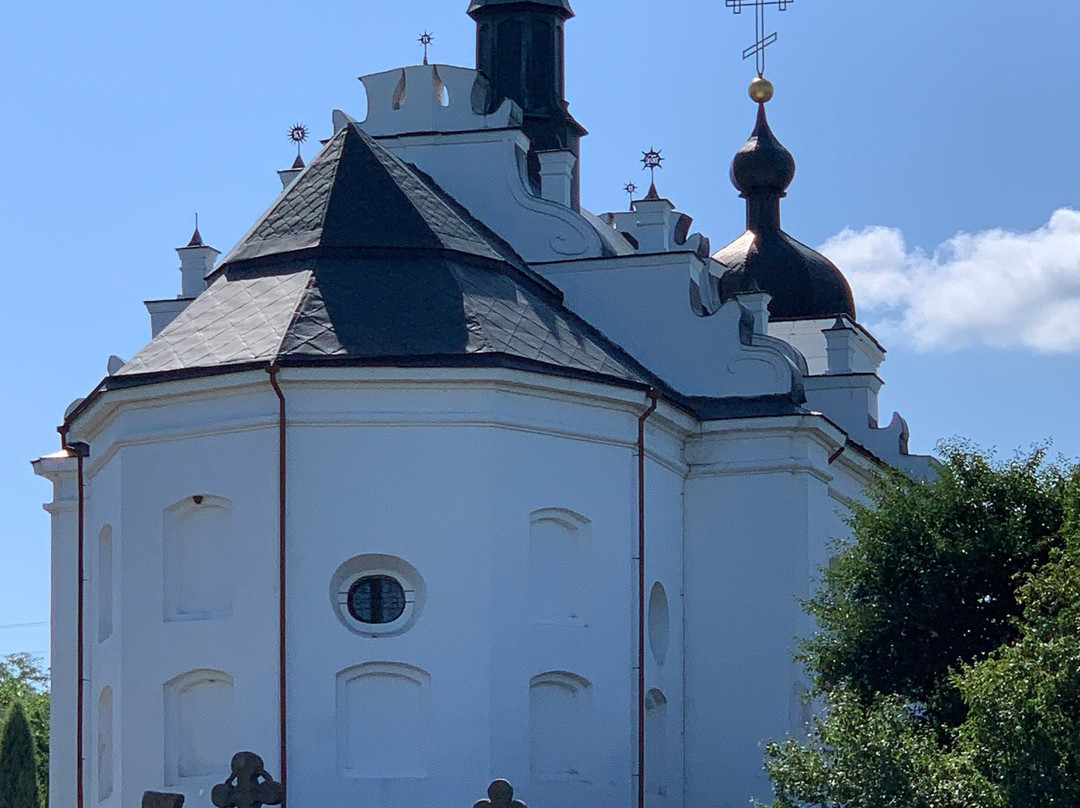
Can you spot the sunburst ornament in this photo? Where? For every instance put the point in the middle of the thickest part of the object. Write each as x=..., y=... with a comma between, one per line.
x=298, y=134
x=652, y=161
x=426, y=39
x=630, y=189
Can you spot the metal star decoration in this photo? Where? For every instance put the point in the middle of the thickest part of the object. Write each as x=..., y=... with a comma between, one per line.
x=652, y=161
x=630, y=188
x=298, y=134
x=426, y=39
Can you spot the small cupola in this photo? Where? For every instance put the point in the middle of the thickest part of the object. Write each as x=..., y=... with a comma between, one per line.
x=520, y=48
x=802, y=283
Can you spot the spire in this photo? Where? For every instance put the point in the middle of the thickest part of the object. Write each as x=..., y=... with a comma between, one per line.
x=196, y=237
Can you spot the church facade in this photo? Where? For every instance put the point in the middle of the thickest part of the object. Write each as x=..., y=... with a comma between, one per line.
x=437, y=477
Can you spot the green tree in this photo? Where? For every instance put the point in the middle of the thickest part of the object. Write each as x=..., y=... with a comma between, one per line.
x=18, y=769
x=1023, y=723
x=948, y=652
x=24, y=680
x=930, y=581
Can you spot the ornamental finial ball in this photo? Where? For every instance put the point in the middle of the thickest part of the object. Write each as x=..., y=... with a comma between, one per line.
x=761, y=90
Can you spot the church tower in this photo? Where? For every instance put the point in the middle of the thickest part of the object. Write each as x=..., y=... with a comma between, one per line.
x=520, y=47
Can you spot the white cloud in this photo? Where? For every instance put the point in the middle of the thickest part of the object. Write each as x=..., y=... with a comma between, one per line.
x=996, y=287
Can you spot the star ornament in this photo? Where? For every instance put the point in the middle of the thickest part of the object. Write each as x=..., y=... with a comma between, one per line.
x=298, y=133
x=652, y=160
x=630, y=188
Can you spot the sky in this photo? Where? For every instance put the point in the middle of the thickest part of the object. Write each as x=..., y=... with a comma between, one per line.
x=937, y=165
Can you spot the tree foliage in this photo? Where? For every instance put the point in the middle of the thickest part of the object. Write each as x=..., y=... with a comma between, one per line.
x=949, y=646
x=18, y=769
x=931, y=579
x=24, y=681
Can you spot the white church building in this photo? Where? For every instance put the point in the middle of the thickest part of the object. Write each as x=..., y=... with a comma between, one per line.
x=436, y=477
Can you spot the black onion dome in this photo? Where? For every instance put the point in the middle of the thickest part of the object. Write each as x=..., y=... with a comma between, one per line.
x=763, y=164
x=803, y=283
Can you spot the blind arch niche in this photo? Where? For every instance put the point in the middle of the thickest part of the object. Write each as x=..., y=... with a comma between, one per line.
x=383, y=721
x=198, y=548
x=560, y=721
x=105, y=744
x=200, y=721
x=560, y=566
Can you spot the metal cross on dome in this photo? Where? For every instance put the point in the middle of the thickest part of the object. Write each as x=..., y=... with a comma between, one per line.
x=757, y=50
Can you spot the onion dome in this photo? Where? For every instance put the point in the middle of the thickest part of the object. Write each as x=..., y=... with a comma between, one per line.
x=763, y=164
x=803, y=283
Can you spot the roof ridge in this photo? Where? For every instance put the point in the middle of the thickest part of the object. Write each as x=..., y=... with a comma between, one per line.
x=299, y=307
x=383, y=155
x=333, y=178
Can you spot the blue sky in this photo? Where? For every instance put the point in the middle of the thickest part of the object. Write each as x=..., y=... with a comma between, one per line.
x=935, y=143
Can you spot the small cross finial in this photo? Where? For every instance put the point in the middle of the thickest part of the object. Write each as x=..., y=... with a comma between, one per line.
x=630, y=188
x=764, y=40
x=426, y=39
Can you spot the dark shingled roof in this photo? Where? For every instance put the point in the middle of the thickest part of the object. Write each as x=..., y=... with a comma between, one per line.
x=364, y=260
x=357, y=194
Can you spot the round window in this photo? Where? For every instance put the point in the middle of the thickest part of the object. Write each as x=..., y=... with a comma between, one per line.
x=376, y=599
x=377, y=595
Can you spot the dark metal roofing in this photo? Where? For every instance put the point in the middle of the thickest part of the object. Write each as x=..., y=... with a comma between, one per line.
x=561, y=5
x=356, y=194
x=803, y=283
x=365, y=259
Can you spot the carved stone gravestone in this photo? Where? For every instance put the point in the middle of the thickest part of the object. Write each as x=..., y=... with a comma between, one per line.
x=155, y=799
x=249, y=786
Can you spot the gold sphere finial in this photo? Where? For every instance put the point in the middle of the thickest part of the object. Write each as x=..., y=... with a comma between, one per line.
x=761, y=90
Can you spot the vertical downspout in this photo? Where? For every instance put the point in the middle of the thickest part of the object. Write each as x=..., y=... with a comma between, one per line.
x=81, y=452
x=654, y=399
x=282, y=712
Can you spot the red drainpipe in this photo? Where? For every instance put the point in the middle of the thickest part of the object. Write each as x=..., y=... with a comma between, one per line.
x=81, y=451
x=654, y=399
x=273, y=370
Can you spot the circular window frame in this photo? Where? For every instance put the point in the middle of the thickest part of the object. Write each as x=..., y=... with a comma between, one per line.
x=376, y=566
x=399, y=600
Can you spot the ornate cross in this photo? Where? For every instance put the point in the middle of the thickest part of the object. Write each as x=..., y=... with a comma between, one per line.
x=757, y=50
x=249, y=786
